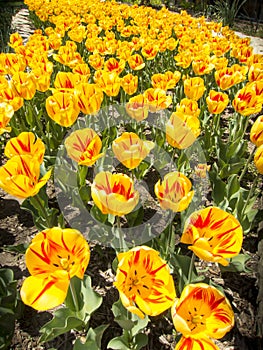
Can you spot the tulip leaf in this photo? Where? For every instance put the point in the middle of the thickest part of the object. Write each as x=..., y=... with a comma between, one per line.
x=19, y=248
x=181, y=264
x=92, y=300
x=63, y=321
x=135, y=218
x=237, y=264
x=140, y=341
x=92, y=340
x=119, y=343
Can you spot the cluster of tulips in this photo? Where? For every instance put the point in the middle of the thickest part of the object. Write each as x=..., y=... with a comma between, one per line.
x=86, y=59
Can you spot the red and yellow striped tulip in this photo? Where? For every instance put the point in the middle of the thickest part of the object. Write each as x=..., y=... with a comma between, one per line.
x=130, y=150
x=144, y=282
x=157, y=99
x=63, y=108
x=202, y=312
x=52, y=259
x=258, y=159
x=189, y=107
x=137, y=108
x=182, y=130
x=9, y=96
x=6, y=113
x=214, y=235
x=20, y=176
x=136, y=62
x=114, y=193
x=113, y=65
x=129, y=83
x=256, y=132
x=84, y=146
x=246, y=101
x=109, y=83
x=216, y=101
x=89, y=98
x=24, y=85
x=194, y=88
x=174, y=192
x=66, y=81
x=25, y=143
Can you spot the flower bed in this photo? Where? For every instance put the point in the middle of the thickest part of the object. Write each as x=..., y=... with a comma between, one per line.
x=147, y=126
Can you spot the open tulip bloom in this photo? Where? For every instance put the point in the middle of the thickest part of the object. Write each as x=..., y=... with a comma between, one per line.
x=53, y=258
x=202, y=312
x=144, y=282
x=214, y=235
x=84, y=146
x=114, y=193
x=130, y=150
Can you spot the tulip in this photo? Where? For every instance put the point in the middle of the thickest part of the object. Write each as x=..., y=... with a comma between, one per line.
x=25, y=143
x=214, y=235
x=201, y=343
x=174, y=192
x=83, y=70
x=9, y=96
x=201, y=170
x=165, y=81
x=112, y=65
x=66, y=81
x=11, y=63
x=219, y=62
x=189, y=107
x=89, y=98
x=216, y=101
x=137, y=108
x=24, y=85
x=53, y=257
x=255, y=72
x=258, y=159
x=109, y=83
x=256, y=132
x=157, y=99
x=129, y=83
x=114, y=193
x=84, y=146
x=130, y=150
x=150, y=50
x=247, y=102
x=136, y=62
x=63, y=108
x=15, y=40
x=20, y=176
x=96, y=61
x=194, y=88
x=77, y=34
x=182, y=130
x=202, y=312
x=183, y=59
x=230, y=76
x=202, y=65
x=6, y=113
x=144, y=282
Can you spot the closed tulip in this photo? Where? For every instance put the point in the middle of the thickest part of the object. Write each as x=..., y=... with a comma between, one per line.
x=20, y=176
x=6, y=113
x=24, y=85
x=53, y=257
x=182, y=130
x=136, y=62
x=137, y=108
x=213, y=234
x=256, y=132
x=174, y=192
x=109, y=83
x=258, y=159
x=25, y=143
x=216, y=101
x=129, y=83
x=144, y=282
x=194, y=88
x=130, y=150
x=89, y=98
x=63, y=108
x=114, y=193
x=157, y=99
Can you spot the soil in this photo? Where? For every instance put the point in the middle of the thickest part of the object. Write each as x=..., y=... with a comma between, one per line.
x=242, y=289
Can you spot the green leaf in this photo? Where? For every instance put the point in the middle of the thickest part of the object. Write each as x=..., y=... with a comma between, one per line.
x=232, y=186
x=119, y=343
x=63, y=321
x=140, y=340
x=135, y=218
x=237, y=264
x=218, y=187
x=19, y=248
x=93, y=339
x=181, y=264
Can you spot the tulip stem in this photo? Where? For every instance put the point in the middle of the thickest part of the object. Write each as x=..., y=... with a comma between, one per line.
x=250, y=193
x=191, y=267
x=169, y=241
x=120, y=235
x=36, y=202
x=247, y=163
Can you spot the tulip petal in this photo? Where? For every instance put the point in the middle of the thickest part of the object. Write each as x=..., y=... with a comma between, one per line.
x=203, y=343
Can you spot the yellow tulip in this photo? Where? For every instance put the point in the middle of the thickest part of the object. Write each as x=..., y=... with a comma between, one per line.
x=114, y=193
x=194, y=88
x=9, y=96
x=66, y=81
x=96, y=61
x=113, y=65
x=189, y=107
x=137, y=108
x=202, y=65
x=84, y=146
x=130, y=150
x=136, y=62
x=256, y=132
x=24, y=85
x=25, y=143
x=174, y=192
x=216, y=101
x=89, y=98
x=109, y=83
x=53, y=257
x=214, y=235
x=63, y=108
x=157, y=99
x=6, y=113
x=246, y=101
x=20, y=176
x=144, y=282
x=129, y=83
x=182, y=130
x=258, y=159
x=202, y=312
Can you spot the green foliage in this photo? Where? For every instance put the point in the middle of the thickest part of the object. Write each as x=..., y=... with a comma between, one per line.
x=227, y=10
x=10, y=307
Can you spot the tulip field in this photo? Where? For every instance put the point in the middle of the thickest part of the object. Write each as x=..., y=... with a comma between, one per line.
x=132, y=147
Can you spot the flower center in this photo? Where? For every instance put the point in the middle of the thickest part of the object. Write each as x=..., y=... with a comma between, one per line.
x=139, y=283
